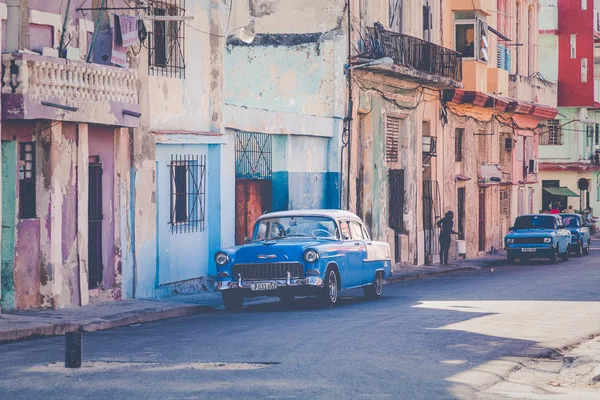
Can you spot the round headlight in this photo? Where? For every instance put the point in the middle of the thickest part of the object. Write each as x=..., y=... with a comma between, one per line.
x=547, y=240
x=510, y=241
x=221, y=259
x=311, y=256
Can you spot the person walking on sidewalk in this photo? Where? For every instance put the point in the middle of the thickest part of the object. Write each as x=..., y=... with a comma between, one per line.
x=446, y=224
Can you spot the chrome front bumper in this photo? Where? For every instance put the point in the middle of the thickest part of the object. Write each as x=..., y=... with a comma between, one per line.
x=314, y=281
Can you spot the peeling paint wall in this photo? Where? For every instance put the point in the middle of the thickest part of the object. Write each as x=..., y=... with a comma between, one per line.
x=290, y=83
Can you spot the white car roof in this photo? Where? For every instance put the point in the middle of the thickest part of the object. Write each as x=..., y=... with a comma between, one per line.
x=310, y=213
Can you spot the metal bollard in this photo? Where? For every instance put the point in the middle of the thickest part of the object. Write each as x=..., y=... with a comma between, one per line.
x=73, y=347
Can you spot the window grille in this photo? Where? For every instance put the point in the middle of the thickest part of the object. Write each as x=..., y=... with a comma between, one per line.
x=458, y=144
x=597, y=138
x=461, y=213
x=552, y=136
x=253, y=155
x=505, y=202
x=392, y=134
x=27, y=195
x=166, y=42
x=188, y=193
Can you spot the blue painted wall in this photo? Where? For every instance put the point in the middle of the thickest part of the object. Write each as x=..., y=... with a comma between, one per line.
x=9, y=208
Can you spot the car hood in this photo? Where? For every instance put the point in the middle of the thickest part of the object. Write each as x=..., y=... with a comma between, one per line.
x=281, y=250
x=531, y=233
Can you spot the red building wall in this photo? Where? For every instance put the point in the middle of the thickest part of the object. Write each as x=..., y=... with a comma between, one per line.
x=573, y=20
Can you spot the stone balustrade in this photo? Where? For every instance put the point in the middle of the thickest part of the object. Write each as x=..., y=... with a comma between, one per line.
x=71, y=81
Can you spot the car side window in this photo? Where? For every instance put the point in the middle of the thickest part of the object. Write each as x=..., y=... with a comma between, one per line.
x=365, y=233
x=357, y=232
x=345, y=229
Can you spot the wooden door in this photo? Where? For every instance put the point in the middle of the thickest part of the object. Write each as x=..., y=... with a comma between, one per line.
x=253, y=198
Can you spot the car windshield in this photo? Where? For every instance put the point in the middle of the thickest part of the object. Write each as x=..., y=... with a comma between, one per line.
x=571, y=221
x=294, y=226
x=535, y=222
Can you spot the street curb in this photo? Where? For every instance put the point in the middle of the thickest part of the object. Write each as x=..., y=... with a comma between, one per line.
x=126, y=319
x=420, y=275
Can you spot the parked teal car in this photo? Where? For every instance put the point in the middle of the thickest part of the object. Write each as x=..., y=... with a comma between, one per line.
x=580, y=234
x=302, y=253
x=538, y=236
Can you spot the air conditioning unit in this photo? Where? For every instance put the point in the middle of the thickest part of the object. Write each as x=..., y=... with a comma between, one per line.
x=533, y=167
x=509, y=144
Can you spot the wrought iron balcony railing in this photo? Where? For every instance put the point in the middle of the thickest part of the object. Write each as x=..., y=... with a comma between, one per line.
x=414, y=53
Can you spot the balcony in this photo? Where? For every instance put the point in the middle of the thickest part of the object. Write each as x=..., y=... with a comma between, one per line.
x=533, y=89
x=71, y=90
x=414, y=59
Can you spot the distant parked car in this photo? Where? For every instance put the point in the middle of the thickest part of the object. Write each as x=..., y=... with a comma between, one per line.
x=580, y=233
x=299, y=253
x=538, y=236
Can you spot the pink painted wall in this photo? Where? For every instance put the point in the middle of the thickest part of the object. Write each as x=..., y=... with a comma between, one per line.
x=101, y=143
x=69, y=215
x=41, y=36
x=27, y=264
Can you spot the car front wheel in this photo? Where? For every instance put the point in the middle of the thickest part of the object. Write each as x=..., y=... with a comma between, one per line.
x=328, y=296
x=579, y=250
x=373, y=291
x=232, y=300
x=586, y=250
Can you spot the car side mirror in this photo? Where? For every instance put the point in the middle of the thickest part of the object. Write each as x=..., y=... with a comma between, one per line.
x=345, y=237
x=512, y=228
x=246, y=240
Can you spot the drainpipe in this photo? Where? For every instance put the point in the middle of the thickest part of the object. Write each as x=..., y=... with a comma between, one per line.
x=350, y=106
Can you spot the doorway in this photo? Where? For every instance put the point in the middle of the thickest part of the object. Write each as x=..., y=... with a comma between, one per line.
x=482, y=231
x=253, y=181
x=396, y=208
x=95, y=217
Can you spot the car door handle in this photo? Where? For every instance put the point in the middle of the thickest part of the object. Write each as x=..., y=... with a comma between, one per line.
x=357, y=244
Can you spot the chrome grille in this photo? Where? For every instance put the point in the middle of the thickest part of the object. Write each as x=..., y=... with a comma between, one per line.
x=268, y=271
x=532, y=240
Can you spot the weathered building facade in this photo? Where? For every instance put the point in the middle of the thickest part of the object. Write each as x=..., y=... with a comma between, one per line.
x=284, y=102
x=570, y=144
x=65, y=170
x=116, y=168
x=495, y=120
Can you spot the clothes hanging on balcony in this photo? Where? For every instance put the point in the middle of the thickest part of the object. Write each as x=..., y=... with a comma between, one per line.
x=119, y=52
x=128, y=30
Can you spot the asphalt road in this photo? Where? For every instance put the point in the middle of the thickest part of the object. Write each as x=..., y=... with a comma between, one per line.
x=424, y=339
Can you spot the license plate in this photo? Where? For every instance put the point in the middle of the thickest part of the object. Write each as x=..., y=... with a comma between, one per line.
x=528, y=250
x=263, y=286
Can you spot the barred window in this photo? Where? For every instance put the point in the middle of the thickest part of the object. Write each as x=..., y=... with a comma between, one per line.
x=27, y=180
x=188, y=193
x=505, y=202
x=552, y=133
x=458, y=144
x=166, y=43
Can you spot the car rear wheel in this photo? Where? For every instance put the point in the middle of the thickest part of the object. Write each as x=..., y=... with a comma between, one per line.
x=232, y=300
x=328, y=296
x=373, y=291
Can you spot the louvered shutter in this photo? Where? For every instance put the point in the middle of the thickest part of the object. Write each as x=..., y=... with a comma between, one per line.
x=392, y=133
x=507, y=59
x=500, y=56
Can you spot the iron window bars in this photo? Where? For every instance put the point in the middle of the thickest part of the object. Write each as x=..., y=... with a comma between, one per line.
x=166, y=42
x=27, y=195
x=188, y=193
x=553, y=135
x=253, y=155
x=458, y=144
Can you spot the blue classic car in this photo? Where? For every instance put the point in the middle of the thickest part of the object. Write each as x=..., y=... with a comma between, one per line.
x=538, y=236
x=301, y=253
x=580, y=233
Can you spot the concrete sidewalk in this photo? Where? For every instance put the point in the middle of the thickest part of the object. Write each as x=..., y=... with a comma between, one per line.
x=95, y=317
x=406, y=272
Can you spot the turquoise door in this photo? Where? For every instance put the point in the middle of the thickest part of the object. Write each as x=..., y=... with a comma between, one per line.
x=9, y=209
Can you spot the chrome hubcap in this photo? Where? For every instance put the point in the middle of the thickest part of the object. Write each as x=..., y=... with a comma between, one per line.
x=332, y=287
x=378, y=284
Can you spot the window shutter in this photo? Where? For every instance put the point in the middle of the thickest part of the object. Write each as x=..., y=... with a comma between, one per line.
x=501, y=56
x=507, y=59
x=392, y=133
